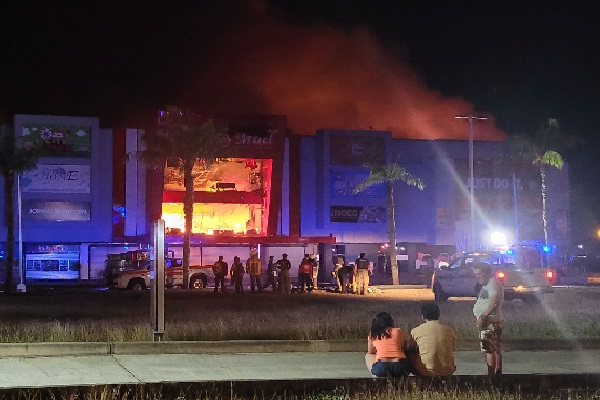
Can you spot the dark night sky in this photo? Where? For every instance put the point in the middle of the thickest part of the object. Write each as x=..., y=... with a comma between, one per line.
x=519, y=61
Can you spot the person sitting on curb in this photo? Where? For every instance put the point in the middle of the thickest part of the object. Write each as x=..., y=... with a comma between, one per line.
x=385, y=348
x=432, y=344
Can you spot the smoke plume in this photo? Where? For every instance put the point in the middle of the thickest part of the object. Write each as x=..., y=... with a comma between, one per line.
x=323, y=77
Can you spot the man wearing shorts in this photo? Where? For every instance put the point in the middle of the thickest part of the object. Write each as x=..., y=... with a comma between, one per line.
x=488, y=311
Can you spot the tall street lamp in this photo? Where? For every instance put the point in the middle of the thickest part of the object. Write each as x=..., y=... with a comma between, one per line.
x=470, y=118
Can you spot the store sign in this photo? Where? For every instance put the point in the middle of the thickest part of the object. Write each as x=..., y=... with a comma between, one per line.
x=57, y=179
x=357, y=214
x=527, y=242
x=343, y=185
x=59, y=140
x=356, y=150
x=56, y=210
x=249, y=139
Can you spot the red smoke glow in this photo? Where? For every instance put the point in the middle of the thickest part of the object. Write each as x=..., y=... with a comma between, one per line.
x=322, y=77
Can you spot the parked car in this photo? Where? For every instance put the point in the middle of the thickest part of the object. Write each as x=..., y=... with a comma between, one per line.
x=458, y=279
x=443, y=260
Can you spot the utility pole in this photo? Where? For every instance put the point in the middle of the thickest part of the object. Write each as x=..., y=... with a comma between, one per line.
x=470, y=118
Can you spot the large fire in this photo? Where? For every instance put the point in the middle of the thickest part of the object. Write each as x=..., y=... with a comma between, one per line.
x=322, y=77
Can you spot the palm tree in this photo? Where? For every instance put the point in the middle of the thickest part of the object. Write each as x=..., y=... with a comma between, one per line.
x=542, y=151
x=14, y=159
x=182, y=141
x=389, y=174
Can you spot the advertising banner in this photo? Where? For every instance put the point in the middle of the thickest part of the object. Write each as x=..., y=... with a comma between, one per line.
x=40, y=210
x=343, y=184
x=57, y=179
x=356, y=150
x=59, y=140
x=496, y=192
x=358, y=214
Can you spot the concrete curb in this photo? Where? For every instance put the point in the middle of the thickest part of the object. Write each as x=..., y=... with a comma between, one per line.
x=238, y=346
x=57, y=349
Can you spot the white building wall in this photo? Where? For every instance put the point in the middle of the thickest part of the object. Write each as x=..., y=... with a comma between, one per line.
x=135, y=185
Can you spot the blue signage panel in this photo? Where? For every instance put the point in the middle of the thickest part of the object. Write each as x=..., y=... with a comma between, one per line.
x=36, y=210
x=343, y=184
x=357, y=214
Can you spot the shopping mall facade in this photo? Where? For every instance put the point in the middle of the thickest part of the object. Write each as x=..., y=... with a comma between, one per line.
x=90, y=196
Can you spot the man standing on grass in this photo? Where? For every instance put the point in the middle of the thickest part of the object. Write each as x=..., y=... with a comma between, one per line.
x=220, y=269
x=488, y=311
x=255, y=269
x=305, y=274
x=361, y=274
x=284, y=266
x=237, y=275
x=432, y=344
x=272, y=275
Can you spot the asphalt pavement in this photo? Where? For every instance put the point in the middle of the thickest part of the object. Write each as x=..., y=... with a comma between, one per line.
x=54, y=371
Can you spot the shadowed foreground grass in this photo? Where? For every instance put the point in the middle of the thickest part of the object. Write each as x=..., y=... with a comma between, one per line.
x=202, y=315
x=389, y=393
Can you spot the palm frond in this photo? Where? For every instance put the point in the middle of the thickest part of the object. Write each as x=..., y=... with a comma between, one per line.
x=388, y=173
x=14, y=156
x=552, y=158
x=184, y=142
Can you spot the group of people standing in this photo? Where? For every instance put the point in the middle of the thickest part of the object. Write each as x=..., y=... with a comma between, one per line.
x=236, y=272
x=429, y=349
x=353, y=278
x=278, y=274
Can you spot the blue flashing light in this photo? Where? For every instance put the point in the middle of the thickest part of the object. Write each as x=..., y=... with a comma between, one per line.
x=546, y=249
x=510, y=252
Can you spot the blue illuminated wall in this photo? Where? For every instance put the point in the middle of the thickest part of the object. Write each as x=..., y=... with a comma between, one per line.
x=77, y=142
x=332, y=165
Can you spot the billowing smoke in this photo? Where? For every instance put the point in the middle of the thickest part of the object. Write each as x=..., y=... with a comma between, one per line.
x=322, y=77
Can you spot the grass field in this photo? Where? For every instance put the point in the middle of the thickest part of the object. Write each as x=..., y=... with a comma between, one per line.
x=393, y=391
x=98, y=316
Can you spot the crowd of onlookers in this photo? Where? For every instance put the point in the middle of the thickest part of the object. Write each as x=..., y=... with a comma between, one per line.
x=429, y=349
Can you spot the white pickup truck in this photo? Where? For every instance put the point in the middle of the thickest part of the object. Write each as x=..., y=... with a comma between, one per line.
x=458, y=279
x=139, y=278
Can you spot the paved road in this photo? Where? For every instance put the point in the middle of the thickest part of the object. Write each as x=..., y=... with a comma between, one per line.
x=123, y=369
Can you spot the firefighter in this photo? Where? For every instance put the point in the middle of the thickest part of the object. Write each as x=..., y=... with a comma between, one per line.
x=272, y=275
x=305, y=270
x=237, y=275
x=284, y=266
x=362, y=270
x=340, y=273
x=315, y=270
x=255, y=269
x=220, y=269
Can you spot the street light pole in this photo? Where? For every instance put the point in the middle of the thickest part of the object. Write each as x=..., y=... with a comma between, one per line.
x=470, y=118
x=21, y=286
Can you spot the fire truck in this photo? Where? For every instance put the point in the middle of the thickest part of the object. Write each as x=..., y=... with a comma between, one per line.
x=132, y=271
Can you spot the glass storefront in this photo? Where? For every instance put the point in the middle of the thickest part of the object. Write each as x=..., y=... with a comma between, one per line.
x=55, y=262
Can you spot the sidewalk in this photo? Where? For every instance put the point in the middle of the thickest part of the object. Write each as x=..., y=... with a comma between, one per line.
x=42, y=372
